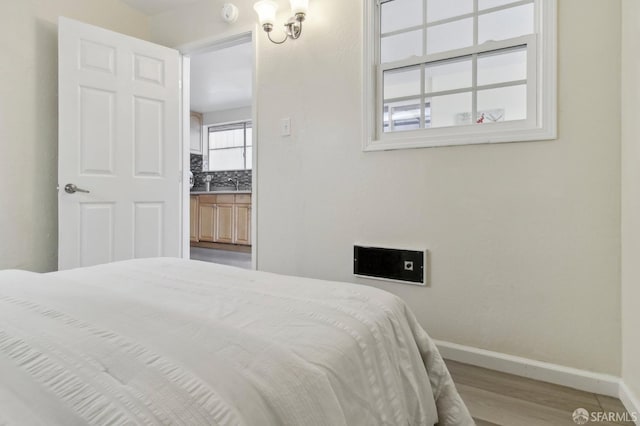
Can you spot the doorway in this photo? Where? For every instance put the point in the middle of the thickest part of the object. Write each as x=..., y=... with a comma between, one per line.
x=222, y=151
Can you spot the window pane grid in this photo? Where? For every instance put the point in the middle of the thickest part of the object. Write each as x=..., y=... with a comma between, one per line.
x=494, y=46
x=229, y=145
x=452, y=92
x=441, y=39
x=401, y=113
x=402, y=116
x=518, y=89
x=452, y=33
x=476, y=13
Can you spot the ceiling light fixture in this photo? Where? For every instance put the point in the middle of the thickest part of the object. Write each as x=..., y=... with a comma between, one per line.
x=266, y=10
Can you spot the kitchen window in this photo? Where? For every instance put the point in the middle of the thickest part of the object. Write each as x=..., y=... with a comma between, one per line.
x=442, y=72
x=230, y=146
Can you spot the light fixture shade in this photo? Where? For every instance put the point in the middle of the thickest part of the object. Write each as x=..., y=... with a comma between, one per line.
x=266, y=10
x=299, y=6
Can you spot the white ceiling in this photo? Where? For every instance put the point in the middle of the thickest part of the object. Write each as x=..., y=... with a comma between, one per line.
x=153, y=7
x=222, y=79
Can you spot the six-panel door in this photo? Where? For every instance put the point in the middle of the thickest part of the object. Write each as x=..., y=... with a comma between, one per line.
x=119, y=138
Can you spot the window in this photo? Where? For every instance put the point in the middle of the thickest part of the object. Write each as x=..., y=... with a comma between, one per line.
x=442, y=72
x=230, y=147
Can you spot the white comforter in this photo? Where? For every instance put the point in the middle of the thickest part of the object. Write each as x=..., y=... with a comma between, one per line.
x=169, y=341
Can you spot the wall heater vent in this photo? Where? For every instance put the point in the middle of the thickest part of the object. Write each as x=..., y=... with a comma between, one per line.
x=406, y=266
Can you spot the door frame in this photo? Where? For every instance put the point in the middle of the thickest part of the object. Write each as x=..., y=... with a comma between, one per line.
x=188, y=50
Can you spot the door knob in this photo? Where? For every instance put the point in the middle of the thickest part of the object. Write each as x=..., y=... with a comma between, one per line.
x=72, y=189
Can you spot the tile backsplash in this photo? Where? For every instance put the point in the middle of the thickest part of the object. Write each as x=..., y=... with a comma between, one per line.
x=196, y=163
x=219, y=179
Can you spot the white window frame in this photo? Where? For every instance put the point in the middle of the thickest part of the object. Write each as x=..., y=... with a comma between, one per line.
x=541, y=122
x=232, y=126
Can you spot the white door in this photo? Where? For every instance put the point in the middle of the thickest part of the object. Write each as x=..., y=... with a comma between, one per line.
x=119, y=139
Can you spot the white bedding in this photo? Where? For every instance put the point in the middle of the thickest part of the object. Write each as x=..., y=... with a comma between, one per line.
x=170, y=341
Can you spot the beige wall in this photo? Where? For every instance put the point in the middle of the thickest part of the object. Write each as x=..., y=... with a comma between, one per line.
x=631, y=195
x=28, y=120
x=525, y=237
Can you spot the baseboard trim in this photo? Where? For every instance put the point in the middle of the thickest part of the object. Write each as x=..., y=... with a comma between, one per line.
x=630, y=401
x=588, y=381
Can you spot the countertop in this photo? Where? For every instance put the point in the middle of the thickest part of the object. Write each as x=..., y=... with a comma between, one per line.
x=223, y=191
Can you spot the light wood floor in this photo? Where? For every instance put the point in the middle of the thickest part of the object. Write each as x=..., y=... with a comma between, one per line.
x=495, y=398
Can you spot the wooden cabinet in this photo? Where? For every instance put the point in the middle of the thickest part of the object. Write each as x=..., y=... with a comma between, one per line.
x=221, y=218
x=224, y=218
x=193, y=218
x=207, y=222
x=243, y=224
x=206, y=218
x=224, y=223
x=242, y=219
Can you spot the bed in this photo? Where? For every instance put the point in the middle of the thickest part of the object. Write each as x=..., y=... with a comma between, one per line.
x=172, y=341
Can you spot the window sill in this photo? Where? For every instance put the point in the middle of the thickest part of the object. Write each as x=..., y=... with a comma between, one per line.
x=472, y=135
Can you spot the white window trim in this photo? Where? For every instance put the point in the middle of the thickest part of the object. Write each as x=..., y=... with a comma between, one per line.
x=543, y=125
x=245, y=124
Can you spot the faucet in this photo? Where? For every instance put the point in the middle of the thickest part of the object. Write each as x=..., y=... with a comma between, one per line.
x=235, y=182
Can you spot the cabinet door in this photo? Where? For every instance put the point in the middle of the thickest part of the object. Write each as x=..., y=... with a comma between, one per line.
x=207, y=222
x=196, y=133
x=193, y=218
x=243, y=224
x=224, y=223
